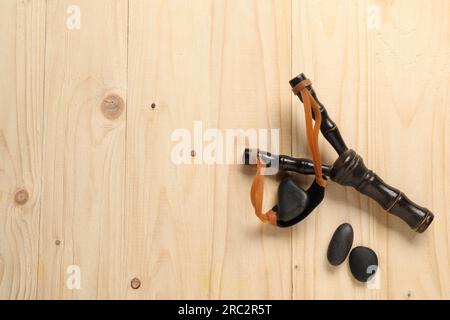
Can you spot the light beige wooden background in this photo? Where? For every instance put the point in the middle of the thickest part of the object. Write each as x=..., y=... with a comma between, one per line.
x=104, y=195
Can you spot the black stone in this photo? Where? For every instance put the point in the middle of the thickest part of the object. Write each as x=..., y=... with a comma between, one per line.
x=295, y=203
x=363, y=263
x=340, y=244
x=291, y=200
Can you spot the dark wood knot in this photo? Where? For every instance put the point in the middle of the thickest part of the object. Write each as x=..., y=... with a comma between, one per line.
x=135, y=283
x=112, y=106
x=21, y=197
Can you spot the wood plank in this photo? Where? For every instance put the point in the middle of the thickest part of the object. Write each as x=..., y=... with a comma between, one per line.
x=191, y=231
x=21, y=82
x=411, y=76
x=329, y=45
x=366, y=85
x=84, y=150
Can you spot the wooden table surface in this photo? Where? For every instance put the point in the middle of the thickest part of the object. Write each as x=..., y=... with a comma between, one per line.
x=87, y=186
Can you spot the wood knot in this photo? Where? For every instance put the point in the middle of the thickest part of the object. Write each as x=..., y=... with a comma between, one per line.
x=21, y=197
x=112, y=106
x=135, y=283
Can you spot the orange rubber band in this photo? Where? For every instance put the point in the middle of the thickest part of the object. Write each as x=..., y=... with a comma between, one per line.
x=312, y=133
x=257, y=195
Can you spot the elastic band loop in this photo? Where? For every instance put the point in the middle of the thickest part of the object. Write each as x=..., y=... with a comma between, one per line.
x=257, y=195
x=312, y=133
x=301, y=85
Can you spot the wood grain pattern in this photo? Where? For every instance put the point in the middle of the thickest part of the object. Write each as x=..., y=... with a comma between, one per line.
x=189, y=235
x=84, y=150
x=411, y=56
x=86, y=123
x=22, y=26
x=329, y=46
x=385, y=87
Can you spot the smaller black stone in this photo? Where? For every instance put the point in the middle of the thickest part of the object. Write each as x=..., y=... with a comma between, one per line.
x=340, y=244
x=363, y=263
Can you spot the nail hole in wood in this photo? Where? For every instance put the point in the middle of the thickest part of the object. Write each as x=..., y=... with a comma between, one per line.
x=57, y=242
x=112, y=106
x=153, y=105
x=135, y=283
x=21, y=197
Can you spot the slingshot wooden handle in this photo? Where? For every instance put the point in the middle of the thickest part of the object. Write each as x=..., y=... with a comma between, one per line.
x=349, y=170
